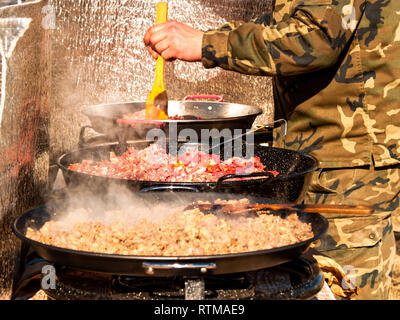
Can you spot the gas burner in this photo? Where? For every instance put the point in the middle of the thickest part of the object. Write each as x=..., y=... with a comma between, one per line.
x=208, y=287
x=299, y=279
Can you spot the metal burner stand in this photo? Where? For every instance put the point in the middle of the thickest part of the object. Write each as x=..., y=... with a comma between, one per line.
x=300, y=279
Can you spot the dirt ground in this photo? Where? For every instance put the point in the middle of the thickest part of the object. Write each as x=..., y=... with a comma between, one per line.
x=395, y=293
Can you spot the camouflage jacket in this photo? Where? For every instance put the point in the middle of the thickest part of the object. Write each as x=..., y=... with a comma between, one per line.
x=336, y=71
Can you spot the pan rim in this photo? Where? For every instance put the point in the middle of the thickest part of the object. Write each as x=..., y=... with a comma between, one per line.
x=257, y=112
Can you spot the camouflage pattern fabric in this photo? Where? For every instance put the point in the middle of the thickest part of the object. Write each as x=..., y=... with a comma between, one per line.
x=336, y=71
x=363, y=245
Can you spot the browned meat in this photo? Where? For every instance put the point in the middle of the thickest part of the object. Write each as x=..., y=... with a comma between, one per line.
x=182, y=233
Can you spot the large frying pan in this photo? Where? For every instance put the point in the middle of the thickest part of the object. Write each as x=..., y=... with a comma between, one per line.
x=295, y=170
x=201, y=115
x=158, y=266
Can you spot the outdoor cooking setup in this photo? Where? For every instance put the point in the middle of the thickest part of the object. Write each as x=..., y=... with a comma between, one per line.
x=288, y=272
x=279, y=273
x=268, y=182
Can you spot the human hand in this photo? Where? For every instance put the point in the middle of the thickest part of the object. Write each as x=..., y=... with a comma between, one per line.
x=174, y=40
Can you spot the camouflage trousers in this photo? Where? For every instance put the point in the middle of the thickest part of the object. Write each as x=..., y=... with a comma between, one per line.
x=363, y=245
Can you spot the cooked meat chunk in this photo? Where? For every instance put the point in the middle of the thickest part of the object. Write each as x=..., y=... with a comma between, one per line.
x=181, y=233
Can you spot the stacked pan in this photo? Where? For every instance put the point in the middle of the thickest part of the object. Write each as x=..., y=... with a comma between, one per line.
x=294, y=168
x=194, y=115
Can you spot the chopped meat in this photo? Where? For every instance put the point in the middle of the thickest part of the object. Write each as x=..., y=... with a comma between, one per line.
x=180, y=233
x=155, y=164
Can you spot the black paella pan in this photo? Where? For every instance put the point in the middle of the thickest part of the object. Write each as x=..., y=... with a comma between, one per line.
x=295, y=170
x=160, y=266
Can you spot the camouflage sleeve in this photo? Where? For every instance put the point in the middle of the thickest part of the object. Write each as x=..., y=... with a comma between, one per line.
x=312, y=38
x=231, y=25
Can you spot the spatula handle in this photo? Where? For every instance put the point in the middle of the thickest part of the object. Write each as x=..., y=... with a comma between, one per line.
x=162, y=12
x=318, y=208
x=308, y=208
x=162, y=16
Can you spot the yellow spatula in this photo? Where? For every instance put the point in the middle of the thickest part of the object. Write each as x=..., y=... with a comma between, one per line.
x=157, y=102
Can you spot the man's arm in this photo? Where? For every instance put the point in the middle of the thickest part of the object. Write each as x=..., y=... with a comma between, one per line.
x=310, y=39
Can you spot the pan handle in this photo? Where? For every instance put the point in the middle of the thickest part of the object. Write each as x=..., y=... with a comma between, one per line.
x=82, y=142
x=283, y=124
x=85, y=142
x=151, y=267
x=268, y=174
x=170, y=189
x=277, y=123
x=214, y=97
